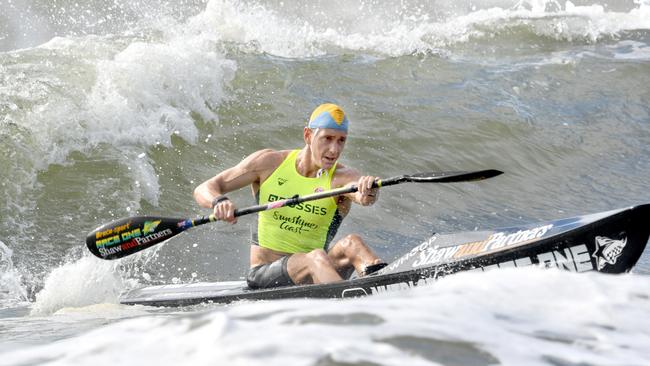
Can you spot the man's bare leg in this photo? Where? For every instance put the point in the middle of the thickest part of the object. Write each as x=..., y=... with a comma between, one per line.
x=313, y=267
x=351, y=251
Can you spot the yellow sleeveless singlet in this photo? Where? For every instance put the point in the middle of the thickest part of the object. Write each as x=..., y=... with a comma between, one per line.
x=303, y=227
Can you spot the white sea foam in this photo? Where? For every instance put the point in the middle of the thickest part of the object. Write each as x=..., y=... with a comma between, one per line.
x=12, y=290
x=393, y=28
x=127, y=93
x=113, y=96
x=516, y=316
x=87, y=281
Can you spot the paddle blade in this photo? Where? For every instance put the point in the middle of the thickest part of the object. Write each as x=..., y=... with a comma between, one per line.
x=133, y=234
x=453, y=177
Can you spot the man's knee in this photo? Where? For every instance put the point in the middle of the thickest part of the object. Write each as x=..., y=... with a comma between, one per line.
x=319, y=257
x=354, y=238
x=351, y=242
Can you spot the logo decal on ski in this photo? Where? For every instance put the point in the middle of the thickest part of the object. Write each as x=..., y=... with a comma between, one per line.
x=608, y=250
x=496, y=241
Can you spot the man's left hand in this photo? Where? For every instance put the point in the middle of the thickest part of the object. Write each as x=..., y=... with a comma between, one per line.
x=366, y=195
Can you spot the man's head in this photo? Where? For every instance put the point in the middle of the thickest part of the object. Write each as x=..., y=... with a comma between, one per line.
x=326, y=134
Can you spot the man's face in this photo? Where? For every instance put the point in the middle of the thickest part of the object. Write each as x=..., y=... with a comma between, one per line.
x=326, y=145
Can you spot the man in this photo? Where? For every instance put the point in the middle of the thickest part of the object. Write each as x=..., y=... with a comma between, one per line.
x=291, y=245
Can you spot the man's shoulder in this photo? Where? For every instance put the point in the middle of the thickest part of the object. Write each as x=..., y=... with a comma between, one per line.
x=270, y=155
x=267, y=158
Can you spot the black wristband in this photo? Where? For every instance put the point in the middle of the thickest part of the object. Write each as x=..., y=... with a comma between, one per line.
x=216, y=200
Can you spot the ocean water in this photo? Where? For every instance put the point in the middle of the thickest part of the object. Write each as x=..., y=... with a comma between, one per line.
x=112, y=109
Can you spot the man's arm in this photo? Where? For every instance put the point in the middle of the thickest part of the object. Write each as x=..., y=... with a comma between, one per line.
x=248, y=171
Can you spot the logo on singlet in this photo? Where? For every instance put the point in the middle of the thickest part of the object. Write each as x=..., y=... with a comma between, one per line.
x=306, y=207
x=281, y=181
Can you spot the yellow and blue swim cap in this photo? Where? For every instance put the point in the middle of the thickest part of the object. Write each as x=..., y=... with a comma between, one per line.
x=329, y=115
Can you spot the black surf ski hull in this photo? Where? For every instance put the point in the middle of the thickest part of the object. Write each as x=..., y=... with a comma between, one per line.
x=609, y=242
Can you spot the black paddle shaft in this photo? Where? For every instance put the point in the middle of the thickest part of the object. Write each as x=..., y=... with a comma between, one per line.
x=441, y=177
x=133, y=234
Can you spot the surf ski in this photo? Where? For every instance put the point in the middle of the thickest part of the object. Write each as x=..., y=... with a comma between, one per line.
x=609, y=242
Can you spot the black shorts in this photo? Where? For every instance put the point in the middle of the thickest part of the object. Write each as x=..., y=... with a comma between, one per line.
x=269, y=275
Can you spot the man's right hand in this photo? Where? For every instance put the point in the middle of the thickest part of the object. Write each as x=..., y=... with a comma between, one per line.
x=225, y=211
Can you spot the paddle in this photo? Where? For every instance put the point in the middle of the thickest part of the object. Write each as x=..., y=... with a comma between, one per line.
x=133, y=234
